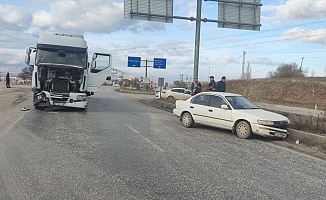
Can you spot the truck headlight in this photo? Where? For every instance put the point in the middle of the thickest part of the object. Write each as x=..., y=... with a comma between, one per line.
x=265, y=122
x=81, y=97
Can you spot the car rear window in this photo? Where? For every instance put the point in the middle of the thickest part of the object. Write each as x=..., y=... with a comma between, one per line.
x=202, y=100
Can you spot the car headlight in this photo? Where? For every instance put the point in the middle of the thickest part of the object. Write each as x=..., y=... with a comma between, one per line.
x=265, y=122
x=81, y=97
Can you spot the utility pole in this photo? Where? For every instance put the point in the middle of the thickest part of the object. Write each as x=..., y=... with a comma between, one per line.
x=243, y=64
x=181, y=77
x=209, y=72
x=301, y=67
x=197, y=38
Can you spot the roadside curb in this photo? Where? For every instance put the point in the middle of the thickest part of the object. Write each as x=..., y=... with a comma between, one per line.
x=306, y=138
x=133, y=92
x=309, y=139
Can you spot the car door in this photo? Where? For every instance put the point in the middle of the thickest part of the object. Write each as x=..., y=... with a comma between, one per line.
x=199, y=107
x=99, y=71
x=176, y=93
x=219, y=117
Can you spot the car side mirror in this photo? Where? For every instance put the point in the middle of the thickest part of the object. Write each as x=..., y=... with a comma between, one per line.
x=225, y=107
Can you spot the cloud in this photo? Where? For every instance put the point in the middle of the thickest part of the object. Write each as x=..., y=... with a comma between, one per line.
x=317, y=36
x=97, y=16
x=14, y=18
x=294, y=11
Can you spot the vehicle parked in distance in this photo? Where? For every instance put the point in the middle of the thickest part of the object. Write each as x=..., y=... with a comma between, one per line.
x=233, y=112
x=116, y=85
x=174, y=93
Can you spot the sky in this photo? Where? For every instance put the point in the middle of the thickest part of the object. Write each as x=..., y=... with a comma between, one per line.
x=292, y=31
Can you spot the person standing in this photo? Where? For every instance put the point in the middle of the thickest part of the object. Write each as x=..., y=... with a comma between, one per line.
x=197, y=89
x=194, y=85
x=212, y=84
x=8, y=80
x=221, y=85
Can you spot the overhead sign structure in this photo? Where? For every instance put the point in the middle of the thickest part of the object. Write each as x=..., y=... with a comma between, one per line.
x=239, y=14
x=134, y=61
x=149, y=10
x=231, y=14
x=159, y=63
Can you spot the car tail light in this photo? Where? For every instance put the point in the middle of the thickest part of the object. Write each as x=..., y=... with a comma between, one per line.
x=163, y=92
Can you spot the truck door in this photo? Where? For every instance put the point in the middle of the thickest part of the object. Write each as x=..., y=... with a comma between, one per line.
x=99, y=71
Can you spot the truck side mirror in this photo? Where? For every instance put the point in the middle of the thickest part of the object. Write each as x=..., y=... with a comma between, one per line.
x=27, y=59
x=28, y=51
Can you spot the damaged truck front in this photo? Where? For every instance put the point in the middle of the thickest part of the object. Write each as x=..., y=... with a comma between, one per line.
x=62, y=75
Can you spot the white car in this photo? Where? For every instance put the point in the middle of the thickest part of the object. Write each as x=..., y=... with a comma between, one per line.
x=233, y=112
x=174, y=93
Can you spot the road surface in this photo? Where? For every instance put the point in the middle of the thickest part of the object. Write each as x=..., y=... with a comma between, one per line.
x=122, y=149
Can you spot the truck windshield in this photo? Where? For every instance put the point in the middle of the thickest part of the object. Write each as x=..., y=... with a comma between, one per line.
x=75, y=59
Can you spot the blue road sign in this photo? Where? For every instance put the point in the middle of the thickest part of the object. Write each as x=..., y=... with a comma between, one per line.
x=134, y=61
x=159, y=63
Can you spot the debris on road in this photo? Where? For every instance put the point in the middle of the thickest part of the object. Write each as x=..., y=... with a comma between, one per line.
x=25, y=109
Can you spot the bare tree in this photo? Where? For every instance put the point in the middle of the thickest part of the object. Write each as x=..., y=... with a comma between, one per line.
x=26, y=73
x=248, y=72
x=287, y=71
x=312, y=73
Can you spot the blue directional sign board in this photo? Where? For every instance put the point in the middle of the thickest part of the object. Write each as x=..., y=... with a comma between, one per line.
x=159, y=63
x=134, y=61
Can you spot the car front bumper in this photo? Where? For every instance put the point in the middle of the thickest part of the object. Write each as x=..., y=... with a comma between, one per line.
x=267, y=131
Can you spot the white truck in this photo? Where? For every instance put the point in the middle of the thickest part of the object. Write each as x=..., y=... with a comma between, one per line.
x=63, y=75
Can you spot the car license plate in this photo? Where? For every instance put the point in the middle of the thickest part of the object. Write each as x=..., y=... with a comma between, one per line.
x=59, y=104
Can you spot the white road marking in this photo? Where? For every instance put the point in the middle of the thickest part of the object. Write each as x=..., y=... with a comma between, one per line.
x=146, y=139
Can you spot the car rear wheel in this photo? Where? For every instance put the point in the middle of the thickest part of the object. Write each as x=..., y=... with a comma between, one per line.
x=170, y=98
x=243, y=130
x=187, y=120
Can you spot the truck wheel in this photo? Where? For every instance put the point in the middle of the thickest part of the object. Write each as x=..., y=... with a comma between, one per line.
x=187, y=120
x=243, y=130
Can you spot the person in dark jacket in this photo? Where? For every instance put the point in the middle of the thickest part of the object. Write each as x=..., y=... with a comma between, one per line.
x=194, y=84
x=221, y=85
x=8, y=80
x=212, y=84
x=197, y=89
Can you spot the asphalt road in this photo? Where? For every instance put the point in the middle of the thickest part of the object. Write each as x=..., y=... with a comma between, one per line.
x=122, y=149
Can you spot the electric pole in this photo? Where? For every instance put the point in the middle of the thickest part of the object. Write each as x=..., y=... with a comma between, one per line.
x=181, y=77
x=301, y=67
x=243, y=64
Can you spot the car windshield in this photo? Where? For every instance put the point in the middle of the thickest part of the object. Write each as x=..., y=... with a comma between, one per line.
x=241, y=102
x=77, y=59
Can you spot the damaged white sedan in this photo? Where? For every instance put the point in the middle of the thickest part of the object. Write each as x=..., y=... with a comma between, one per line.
x=233, y=112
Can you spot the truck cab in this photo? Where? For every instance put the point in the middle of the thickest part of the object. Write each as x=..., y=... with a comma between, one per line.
x=63, y=74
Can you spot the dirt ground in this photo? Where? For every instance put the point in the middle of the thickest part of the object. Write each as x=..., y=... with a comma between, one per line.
x=300, y=92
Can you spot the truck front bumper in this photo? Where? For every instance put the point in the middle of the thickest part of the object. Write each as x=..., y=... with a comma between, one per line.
x=74, y=100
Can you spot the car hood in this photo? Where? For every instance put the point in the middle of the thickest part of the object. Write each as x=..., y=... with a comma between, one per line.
x=254, y=114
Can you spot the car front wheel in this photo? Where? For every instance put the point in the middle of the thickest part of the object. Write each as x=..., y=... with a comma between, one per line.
x=187, y=120
x=243, y=130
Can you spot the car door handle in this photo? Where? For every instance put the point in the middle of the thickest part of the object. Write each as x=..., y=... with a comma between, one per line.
x=210, y=110
x=191, y=107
